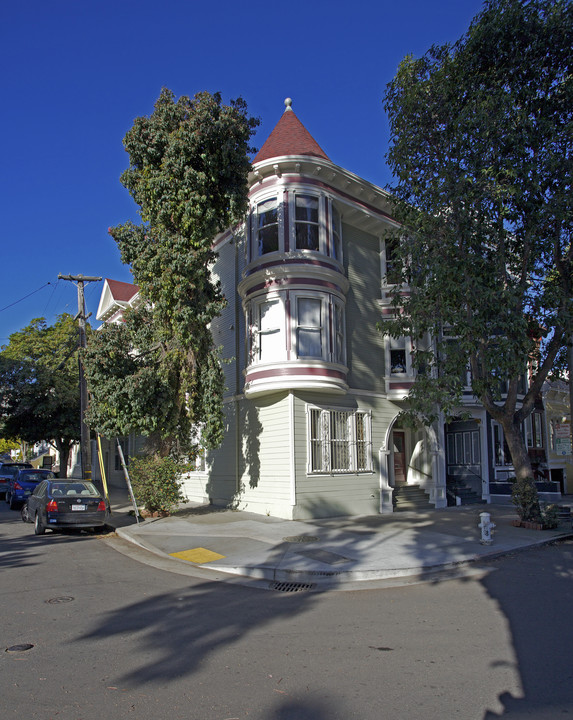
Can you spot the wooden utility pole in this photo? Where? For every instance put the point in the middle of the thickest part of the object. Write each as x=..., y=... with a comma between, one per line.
x=85, y=449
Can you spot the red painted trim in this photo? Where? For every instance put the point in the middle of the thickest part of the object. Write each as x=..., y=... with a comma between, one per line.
x=302, y=260
x=290, y=371
x=286, y=282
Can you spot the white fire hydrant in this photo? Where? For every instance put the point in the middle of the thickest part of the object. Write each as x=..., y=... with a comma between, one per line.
x=486, y=528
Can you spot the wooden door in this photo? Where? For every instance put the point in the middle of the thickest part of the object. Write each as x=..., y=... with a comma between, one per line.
x=399, y=448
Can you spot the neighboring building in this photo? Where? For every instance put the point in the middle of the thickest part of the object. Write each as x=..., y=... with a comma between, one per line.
x=557, y=404
x=314, y=392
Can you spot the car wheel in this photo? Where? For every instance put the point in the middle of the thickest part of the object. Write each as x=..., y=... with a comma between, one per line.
x=24, y=513
x=14, y=504
x=39, y=528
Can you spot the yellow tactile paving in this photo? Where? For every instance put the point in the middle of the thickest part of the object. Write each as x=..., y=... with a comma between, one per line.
x=197, y=555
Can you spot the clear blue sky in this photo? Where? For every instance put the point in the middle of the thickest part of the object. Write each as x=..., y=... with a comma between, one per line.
x=76, y=73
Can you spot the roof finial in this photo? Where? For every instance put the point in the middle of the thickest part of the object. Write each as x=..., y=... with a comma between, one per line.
x=288, y=103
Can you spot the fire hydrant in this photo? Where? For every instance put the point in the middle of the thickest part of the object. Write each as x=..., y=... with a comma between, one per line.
x=486, y=528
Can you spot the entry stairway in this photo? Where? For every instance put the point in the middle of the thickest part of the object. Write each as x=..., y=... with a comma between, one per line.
x=463, y=495
x=409, y=497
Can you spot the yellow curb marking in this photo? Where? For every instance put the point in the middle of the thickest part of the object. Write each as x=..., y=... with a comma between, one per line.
x=197, y=555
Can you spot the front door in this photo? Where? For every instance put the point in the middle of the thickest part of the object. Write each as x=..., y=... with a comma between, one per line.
x=399, y=448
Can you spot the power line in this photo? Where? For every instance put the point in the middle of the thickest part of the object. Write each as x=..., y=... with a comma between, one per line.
x=25, y=296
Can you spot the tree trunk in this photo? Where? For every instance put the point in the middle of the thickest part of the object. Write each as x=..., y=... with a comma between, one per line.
x=518, y=450
x=64, y=451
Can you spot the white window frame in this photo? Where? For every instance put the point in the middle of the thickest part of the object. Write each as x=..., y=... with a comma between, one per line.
x=534, y=430
x=335, y=231
x=338, y=332
x=330, y=454
x=320, y=222
x=323, y=327
x=404, y=344
x=499, y=459
x=255, y=331
x=277, y=196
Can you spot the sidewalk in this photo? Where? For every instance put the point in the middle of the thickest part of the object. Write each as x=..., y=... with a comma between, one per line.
x=330, y=552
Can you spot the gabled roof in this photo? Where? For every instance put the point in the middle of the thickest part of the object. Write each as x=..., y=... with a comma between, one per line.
x=122, y=291
x=115, y=296
x=290, y=137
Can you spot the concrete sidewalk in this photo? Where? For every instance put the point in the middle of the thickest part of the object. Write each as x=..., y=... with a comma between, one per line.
x=326, y=553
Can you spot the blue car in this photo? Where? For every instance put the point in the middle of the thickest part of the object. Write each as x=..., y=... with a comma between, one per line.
x=23, y=484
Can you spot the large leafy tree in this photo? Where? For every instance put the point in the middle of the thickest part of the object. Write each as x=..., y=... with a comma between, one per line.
x=158, y=372
x=39, y=385
x=481, y=149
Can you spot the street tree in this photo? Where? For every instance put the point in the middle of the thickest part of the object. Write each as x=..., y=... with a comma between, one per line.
x=481, y=150
x=39, y=386
x=158, y=373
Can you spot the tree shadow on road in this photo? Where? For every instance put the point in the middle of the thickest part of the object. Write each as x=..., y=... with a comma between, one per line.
x=534, y=590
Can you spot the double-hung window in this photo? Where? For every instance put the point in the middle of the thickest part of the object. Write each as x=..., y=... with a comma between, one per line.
x=400, y=358
x=339, y=355
x=339, y=441
x=266, y=230
x=310, y=326
x=336, y=238
x=307, y=235
x=269, y=340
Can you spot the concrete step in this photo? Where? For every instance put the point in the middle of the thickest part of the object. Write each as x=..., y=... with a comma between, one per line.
x=410, y=497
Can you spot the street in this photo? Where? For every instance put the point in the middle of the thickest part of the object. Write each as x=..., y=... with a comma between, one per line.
x=114, y=638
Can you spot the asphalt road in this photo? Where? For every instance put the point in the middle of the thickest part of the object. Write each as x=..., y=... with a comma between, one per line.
x=114, y=638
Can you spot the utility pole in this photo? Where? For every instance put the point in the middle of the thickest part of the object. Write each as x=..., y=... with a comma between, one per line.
x=85, y=449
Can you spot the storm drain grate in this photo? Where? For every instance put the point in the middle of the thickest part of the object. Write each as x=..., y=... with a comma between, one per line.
x=301, y=539
x=291, y=586
x=59, y=600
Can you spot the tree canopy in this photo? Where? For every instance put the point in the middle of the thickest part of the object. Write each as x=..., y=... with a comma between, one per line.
x=158, y=373
x=39, y=385
x=481, y=149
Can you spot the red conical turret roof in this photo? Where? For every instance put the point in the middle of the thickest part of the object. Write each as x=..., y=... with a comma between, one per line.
x=290, y=137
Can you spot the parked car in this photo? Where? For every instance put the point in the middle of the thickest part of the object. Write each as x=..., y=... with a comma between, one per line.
x=58, y=504
x=23, y=484
x=7, y=471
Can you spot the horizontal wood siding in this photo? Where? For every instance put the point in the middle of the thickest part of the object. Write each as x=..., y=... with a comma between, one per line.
x=221, y=463
x=265, y=442
x=339, y=494
x=364, y=344
x=223, y=328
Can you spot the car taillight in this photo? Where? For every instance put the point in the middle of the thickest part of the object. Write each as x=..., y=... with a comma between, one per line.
x=101, y=506
x=52, y=506
x=17, y=486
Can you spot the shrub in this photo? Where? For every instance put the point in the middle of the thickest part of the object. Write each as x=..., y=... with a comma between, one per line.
x=524, y=496
x=156, y=482
x=550, y=517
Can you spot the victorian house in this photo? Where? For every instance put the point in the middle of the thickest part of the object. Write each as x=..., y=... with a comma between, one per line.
x=314, y=391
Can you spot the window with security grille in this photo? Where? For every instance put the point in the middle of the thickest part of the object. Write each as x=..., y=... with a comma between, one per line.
x=339, y=441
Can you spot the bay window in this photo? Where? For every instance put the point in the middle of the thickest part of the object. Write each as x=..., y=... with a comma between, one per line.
x=310, y=327
x=307, y=235
x=336, y=239
x=266, y=227
x=268, y=333
x=339, y=355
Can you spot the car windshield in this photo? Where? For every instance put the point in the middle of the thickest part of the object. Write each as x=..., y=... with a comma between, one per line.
x=10, y=470
x=36, y=476
x=85, y=489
